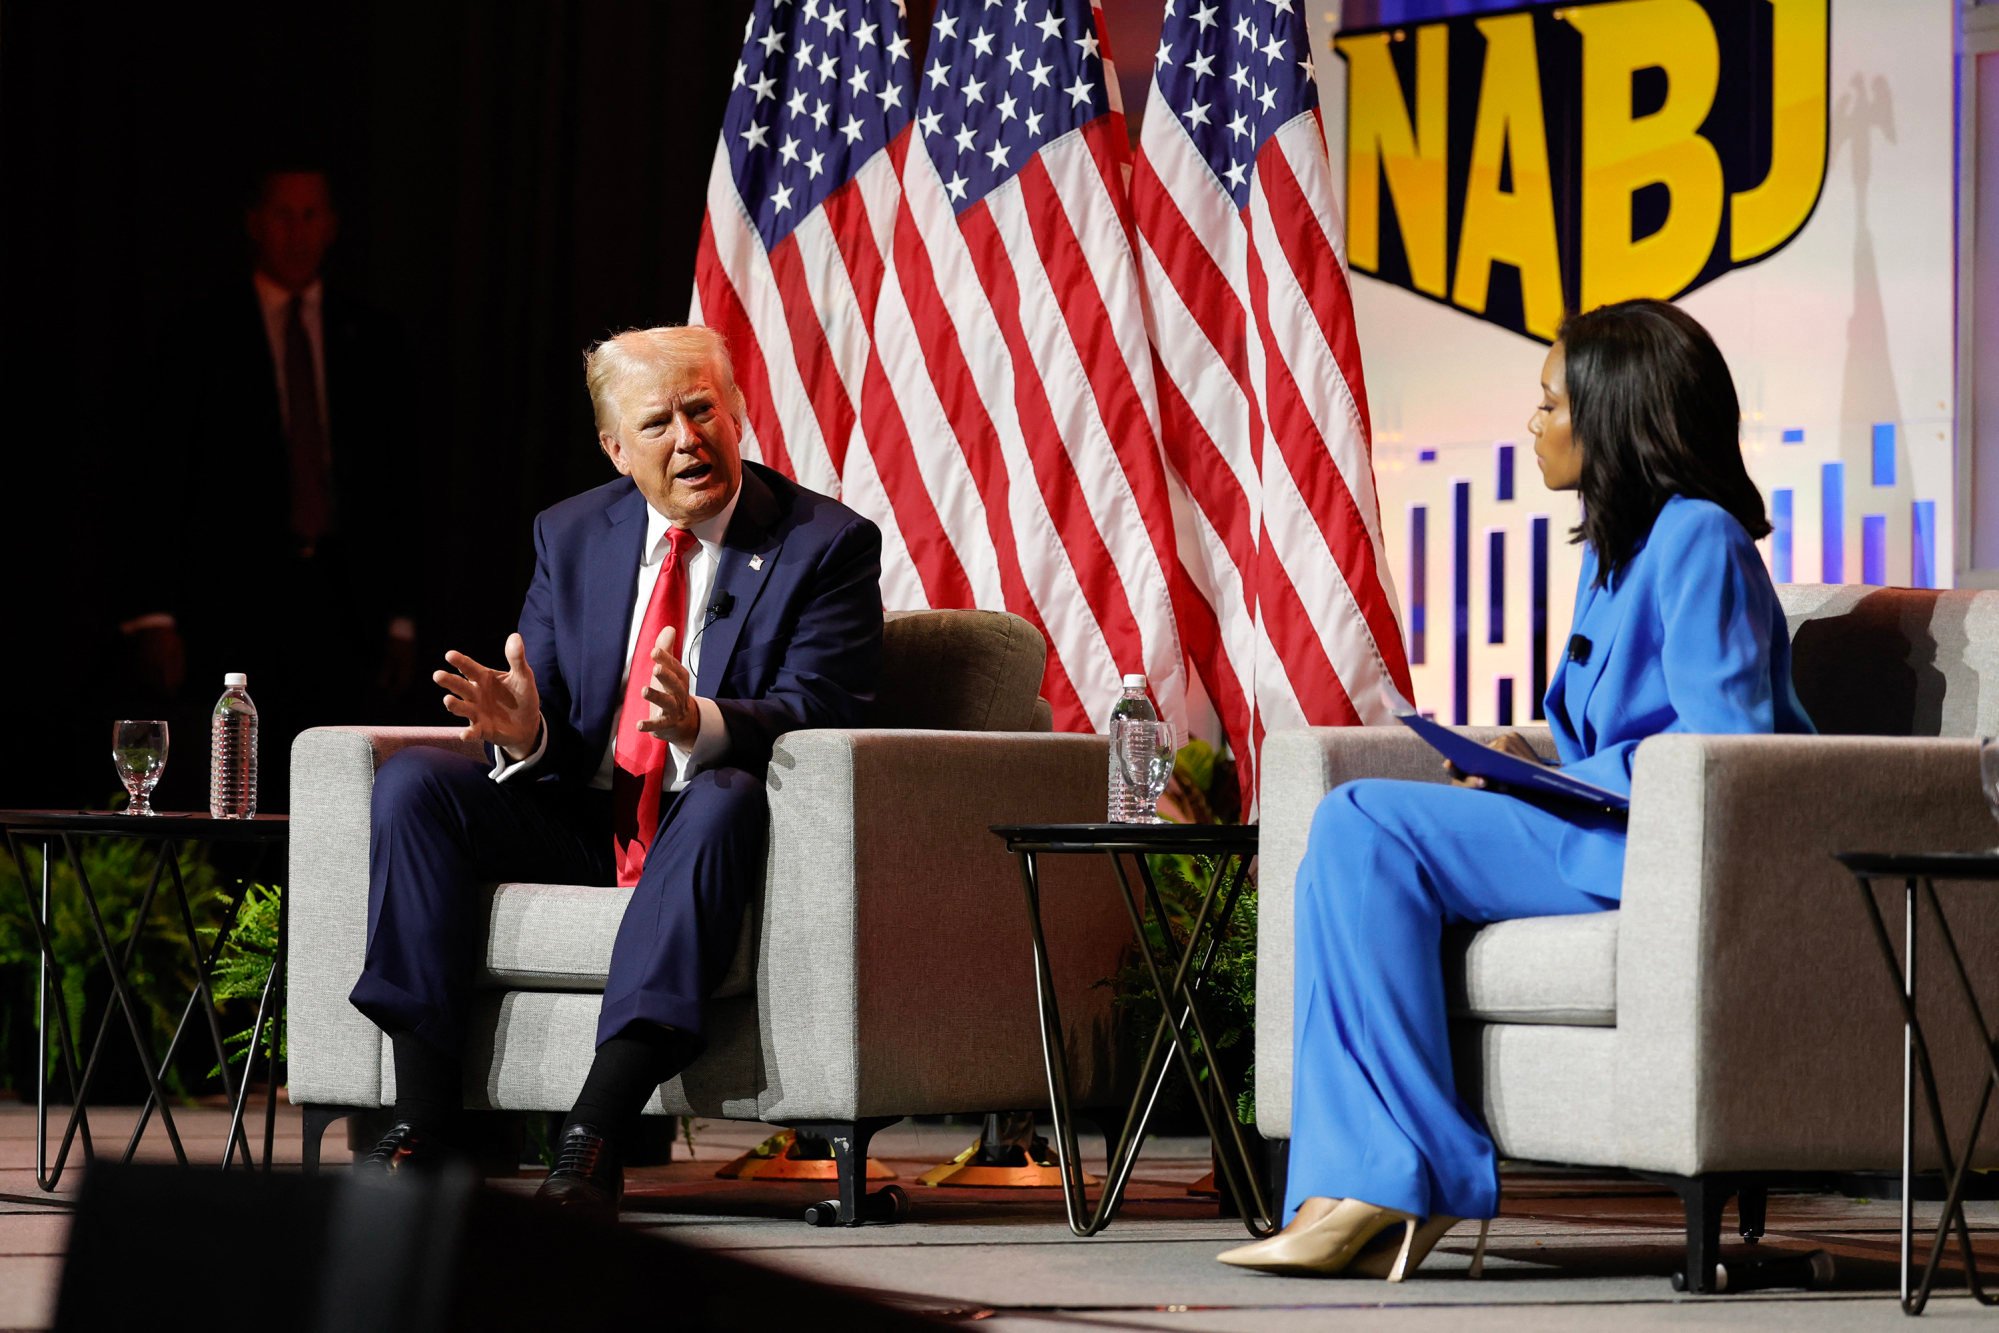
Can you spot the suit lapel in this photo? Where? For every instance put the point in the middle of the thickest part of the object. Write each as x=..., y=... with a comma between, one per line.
x=336, y=343
x=752, y=536
x=1601, y=620
x=610, y=583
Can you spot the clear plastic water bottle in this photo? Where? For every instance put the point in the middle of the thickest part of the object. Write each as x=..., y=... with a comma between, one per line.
x=1124, y=804
x=232, y=751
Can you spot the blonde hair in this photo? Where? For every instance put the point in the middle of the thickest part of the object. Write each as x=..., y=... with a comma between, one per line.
x=676, y=350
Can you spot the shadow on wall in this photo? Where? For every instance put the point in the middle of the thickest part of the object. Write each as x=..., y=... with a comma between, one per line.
x=1922, y=679
x=1868, y=392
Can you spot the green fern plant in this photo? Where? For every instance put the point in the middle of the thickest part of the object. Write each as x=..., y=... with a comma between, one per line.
x=244, y=967
x=161, y=972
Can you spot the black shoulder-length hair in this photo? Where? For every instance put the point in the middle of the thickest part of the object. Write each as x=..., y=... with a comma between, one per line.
x=1653, y=407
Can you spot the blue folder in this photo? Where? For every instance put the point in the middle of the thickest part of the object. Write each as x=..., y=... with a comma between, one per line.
x=1504, y=770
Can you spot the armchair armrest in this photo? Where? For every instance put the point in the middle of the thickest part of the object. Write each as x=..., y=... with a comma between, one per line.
x=1757, y=1028
x=1299, y=768
x=895, y=969
x=336, y=1054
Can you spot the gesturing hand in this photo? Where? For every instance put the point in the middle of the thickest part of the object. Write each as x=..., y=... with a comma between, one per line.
x=502, y=708
x=671, y=714
x=1511, y=742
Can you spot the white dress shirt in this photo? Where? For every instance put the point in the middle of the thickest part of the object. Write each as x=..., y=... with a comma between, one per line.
x=712, y=738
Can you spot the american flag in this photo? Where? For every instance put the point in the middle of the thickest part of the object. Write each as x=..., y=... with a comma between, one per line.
x=800, y=202
x=1015, y=409
x=1263, y=407
x=945, y=308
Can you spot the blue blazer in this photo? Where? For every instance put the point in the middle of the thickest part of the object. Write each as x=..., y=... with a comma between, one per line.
x=1689, y=638
x=800, y=645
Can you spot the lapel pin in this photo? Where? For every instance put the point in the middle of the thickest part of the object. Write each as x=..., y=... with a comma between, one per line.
x=756, y=562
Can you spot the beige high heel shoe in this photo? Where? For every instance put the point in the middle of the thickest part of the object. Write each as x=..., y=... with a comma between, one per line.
x=1386, y=1259
x=1325, y=1245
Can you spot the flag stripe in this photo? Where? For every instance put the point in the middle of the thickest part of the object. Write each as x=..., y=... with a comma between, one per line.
x=935, y=345
x=1124, y=439
x=1262, y=405
x=1316, y=269
x=1347, y=523
x=1120, y=398
x=1079, y=544
x=1324, y=508
x=818, y=377
x=723, y=311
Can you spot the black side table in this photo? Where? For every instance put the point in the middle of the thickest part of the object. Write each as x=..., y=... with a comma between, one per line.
x=1919, y=872
x=1180, y=1024
x=58, y=833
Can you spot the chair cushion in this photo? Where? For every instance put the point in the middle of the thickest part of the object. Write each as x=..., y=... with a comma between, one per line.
x=959, y=671
x=558, y=937
x=941, y=670
x=1543, y=969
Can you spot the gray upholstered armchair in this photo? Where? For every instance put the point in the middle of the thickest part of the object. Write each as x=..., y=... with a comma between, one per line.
x=884, y=972
x=1732, y=1022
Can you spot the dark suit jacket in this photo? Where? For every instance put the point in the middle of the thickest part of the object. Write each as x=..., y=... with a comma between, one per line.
x=232, y=545
x=800, y=645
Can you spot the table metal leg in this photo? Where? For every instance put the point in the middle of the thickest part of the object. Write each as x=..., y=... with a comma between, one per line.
x=280, y=974
x=1157, y=1065
x=110, y=1012
x=52, y=1016
x=48, y=1003
x=1953, y=1209
x=1055, y=1062
x=1917, y=1044
x=204, y=993
x=273, y=985
x=1908, y=1080
x=124, y=968
x=1232, y=1152
x=121, y=997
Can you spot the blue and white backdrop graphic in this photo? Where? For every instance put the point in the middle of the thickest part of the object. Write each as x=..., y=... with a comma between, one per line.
x=1842, y=345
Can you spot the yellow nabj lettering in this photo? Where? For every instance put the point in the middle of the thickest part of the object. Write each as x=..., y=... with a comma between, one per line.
x=1382, y=139
x=1514, y=226
x=1764, y=217
x=1623, y=153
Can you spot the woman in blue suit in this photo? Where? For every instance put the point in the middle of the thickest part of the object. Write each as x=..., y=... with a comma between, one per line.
x=1676, y=628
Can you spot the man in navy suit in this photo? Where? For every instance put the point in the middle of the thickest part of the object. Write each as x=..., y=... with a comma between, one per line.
x=681, y=617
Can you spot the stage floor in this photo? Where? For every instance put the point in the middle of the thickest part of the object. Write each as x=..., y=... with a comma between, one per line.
x=1571, y=1250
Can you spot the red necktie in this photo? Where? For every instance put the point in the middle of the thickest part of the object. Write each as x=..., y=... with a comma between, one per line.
x=640, y=760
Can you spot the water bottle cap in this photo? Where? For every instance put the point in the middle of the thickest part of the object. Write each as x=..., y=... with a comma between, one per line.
x=235, y=680
x=1135, y=680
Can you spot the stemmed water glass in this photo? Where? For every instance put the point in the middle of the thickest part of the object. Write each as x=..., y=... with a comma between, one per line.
x=1145, y=752
x=139, y=749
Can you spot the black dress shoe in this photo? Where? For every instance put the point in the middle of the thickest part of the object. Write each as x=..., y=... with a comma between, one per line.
x=407, y=1148
x=587, y=1177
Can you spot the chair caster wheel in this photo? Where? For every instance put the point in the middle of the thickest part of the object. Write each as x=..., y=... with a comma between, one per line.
x=887, y=1204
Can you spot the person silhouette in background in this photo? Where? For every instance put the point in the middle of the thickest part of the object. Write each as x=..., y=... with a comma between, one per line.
x=285, y=553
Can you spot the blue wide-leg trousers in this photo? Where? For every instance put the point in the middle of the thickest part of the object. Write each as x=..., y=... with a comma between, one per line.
x=443, y=830
x=1375, y=1113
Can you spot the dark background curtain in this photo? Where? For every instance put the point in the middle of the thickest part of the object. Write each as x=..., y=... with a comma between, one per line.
x=515, y=180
